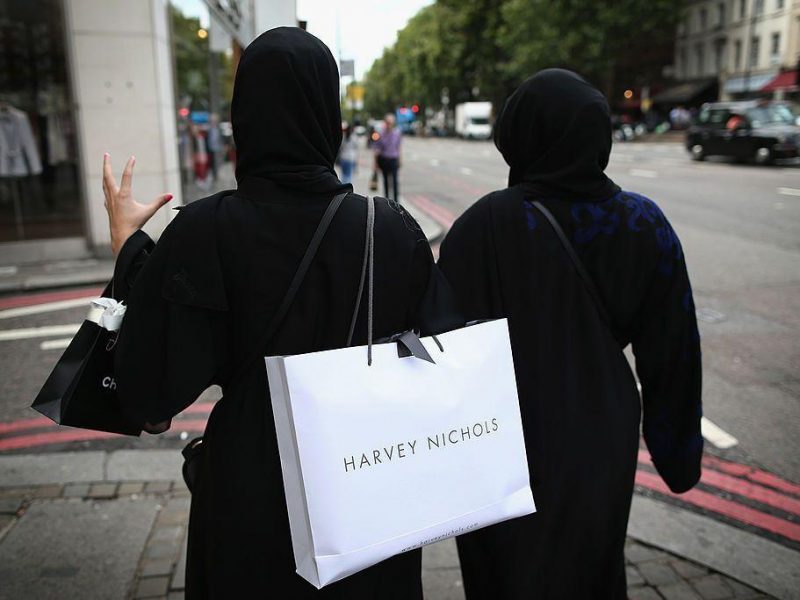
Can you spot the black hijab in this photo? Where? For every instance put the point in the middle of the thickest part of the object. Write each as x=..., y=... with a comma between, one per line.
x=555, y=133
x=287, y=123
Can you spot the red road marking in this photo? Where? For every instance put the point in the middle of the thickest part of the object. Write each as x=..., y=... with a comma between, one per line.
x=752, y=474
x=81, y=435
x=441, y=215
x=742, y=487
x=721, y=506
x=32, y=299
x=43, y=422
x=24, y=424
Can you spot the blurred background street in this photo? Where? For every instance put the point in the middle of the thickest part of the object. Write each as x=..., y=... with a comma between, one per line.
x=154, y=78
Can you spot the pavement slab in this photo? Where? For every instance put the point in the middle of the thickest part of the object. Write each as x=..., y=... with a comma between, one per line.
x=72, y=467
x=67, y=549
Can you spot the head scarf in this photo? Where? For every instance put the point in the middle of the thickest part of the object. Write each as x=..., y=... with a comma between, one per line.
x=287, y=123
x=555, y=134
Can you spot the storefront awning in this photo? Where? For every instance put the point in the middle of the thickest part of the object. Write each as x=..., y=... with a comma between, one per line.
x=683, y=92
x=753, y=83
x=788, y=80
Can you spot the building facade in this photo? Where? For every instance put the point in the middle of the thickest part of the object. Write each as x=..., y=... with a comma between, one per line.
x=82, y=77
x=751, y=47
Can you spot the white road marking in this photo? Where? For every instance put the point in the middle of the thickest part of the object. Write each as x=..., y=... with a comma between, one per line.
x=35, y=309
x=789, y=191
x=716, y=435
x=59, y=344
x=8, y=271
x=34, y=332
x=434, y=162
x=643, y=173
x=622, y=157
x=466, y=170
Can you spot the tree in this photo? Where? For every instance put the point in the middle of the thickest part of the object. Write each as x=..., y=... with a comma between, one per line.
x=483, y=49
x=587, y=36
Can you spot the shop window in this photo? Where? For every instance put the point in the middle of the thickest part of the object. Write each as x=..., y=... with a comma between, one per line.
x=754, y=48
x=737, y=55
x=39, y=192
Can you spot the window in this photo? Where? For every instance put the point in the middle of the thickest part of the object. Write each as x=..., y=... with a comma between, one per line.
x=719, y=55
x=737, y=55
x=715, y=118
x=759, y=8
x=754, y=43
x=779, y=4
x=684, y=63
x=742, y=8
x=775, y=50
x=703, y=19
x=700, y=58
x=721, y=14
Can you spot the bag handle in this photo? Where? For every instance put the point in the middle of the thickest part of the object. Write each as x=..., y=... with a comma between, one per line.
x=297, y=281
x=579, y=267
x=367, y=265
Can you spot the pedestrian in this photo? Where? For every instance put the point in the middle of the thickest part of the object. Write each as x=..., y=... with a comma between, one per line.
x=578, y=397
x=387, y=155
x=205, y=293
x=214, y=145
x=348, y=154
x=199, y=153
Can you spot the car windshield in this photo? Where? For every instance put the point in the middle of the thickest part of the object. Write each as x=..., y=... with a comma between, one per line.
x=714, y=117
x=479, y=121
x=773, y=114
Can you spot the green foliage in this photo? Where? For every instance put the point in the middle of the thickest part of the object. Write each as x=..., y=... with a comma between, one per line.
x=482, y=49
x=191, y=58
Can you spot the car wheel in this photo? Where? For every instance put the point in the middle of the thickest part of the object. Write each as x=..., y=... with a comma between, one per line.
x=763, y=156
x=698, y=152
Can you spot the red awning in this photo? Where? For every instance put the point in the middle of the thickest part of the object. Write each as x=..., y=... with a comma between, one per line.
x=782, y=81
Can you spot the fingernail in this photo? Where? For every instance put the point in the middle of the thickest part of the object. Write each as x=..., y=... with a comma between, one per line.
x=169, y=197
x=106, y=154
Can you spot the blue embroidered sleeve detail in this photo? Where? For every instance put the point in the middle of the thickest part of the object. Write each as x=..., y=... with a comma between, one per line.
x=594, y=218
x=530, y=215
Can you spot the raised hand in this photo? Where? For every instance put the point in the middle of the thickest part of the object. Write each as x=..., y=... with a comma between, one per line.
x=125, y=215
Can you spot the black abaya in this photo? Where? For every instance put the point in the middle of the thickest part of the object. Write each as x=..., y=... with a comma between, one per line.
x=206, y=292
x=579, y=403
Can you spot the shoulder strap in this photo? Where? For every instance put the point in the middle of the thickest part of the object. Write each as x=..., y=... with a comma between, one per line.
x=297, y=281
x=579, y=267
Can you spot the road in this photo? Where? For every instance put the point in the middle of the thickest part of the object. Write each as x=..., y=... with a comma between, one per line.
x=740, y=228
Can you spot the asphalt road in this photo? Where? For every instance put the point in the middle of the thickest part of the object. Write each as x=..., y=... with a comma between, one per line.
x=740, y=229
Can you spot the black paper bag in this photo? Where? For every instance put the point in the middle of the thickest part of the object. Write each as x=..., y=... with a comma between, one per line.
x=82, y=391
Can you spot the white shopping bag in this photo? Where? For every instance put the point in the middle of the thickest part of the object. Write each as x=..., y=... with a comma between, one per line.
x=381, y=459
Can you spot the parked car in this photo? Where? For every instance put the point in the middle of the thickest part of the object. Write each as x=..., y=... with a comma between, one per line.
x=753, y=130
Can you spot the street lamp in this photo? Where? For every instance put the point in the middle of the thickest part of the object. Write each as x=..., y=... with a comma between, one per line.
x=202, y=33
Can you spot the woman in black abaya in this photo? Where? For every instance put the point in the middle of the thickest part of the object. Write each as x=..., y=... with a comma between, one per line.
x=200, y=298
x=578, y=397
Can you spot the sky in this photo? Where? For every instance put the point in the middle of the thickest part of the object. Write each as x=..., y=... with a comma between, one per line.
x=365, y=27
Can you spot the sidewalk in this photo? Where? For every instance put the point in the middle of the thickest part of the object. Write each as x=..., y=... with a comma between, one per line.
x=113, y=525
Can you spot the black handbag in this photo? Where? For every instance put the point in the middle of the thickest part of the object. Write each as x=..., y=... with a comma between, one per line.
x=194, y=452
x=81, y=391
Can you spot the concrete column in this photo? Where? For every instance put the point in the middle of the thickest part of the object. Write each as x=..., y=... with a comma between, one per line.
x=121, y=63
